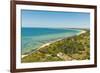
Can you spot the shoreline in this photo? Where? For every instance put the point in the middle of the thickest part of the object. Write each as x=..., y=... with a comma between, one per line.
x=83, y=31
x=48, y=43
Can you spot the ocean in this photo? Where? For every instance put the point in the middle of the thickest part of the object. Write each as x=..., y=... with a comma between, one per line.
x=33, y=38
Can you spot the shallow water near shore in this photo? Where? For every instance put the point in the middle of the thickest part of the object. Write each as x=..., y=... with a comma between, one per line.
x=33, y=38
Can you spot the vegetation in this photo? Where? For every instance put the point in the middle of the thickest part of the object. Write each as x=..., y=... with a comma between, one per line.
x=67, y=49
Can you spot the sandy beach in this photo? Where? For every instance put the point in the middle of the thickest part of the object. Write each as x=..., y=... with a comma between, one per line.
x=83, y=31
x=23, y=55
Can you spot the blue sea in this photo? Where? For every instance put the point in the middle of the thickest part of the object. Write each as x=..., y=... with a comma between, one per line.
x=33, y=38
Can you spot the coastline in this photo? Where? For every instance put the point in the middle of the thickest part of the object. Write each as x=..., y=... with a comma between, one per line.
x=83, y=31
x=48, y=43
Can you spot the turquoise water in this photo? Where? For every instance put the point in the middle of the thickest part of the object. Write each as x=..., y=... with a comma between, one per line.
x=32, y=38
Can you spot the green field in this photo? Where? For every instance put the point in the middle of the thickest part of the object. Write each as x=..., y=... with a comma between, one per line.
x=67, y=49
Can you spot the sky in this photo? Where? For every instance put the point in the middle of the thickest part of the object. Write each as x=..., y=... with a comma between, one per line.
x=54, y=19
